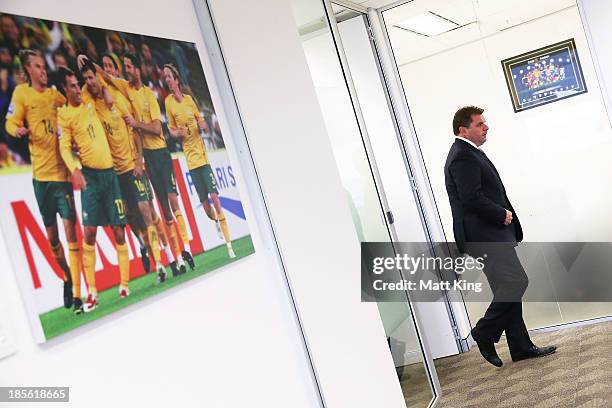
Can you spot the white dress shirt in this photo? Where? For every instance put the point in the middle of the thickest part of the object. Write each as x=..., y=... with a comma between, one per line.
x=468, y=141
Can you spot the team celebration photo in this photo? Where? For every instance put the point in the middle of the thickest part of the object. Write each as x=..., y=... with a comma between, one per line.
x=116, y=182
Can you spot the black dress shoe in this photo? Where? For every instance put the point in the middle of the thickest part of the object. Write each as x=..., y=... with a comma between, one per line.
x=534, y=351
x=487, y=349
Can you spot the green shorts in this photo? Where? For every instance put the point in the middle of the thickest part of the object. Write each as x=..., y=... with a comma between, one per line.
x=161, y=172
x=134, y=189
x=204, y=181
x=101, y=201
x=54, y=197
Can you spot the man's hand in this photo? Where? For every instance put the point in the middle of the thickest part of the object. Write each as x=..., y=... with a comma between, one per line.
x=108, y=98
x=81, y=60
x=138, y=168
x=180, y=132
x=21, y=132
x=508, y=219
x=130, y=121
x=79, y=179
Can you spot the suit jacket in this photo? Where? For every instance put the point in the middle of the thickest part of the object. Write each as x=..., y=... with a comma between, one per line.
x=477, y=198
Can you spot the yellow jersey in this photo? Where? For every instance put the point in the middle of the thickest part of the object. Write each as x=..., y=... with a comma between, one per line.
x=186, y=114
x=146, y=108
x=39, y=111
x=80, y=125
x=119, y=135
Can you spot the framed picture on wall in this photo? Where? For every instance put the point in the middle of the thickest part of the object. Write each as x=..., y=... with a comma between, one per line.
x=115, y=178
x=545, y=75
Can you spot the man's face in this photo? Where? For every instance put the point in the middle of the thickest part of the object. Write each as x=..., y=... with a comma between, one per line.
x=169, y=78
x=91, y=80
x=5, y=57
x=73, y=90
x=116, y=44
x=8, y=28
x=146, y=52
x=130, y=70
x=36, y=70
x=477, y=132
x=60, y=61
x=91, y=50
x=108, y=66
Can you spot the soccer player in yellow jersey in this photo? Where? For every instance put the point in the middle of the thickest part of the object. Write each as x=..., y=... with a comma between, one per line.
x=156, y=155
x=33, y=113
x=110, y=73
x=101, y=199
x=133, y=181
x=185, y=122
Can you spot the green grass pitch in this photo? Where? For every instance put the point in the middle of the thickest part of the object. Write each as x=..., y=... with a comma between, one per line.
x=61, y=320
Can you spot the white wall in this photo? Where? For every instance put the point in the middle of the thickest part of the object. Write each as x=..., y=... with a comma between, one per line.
x=230, y=339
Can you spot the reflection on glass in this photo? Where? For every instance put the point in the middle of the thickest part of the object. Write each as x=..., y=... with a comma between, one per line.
x=550, y=172
x=353, y=164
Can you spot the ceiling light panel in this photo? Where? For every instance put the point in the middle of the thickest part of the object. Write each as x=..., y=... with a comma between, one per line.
x=428, y=24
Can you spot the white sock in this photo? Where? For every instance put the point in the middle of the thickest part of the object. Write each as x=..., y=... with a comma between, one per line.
x=169, y=253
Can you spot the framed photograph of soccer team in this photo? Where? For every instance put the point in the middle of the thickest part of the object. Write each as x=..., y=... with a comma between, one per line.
x=116, y=183
x=548, y=74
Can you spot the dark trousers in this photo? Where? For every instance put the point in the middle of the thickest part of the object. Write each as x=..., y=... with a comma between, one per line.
x=508, y=282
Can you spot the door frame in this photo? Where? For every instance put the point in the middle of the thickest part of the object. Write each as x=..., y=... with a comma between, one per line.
x=415, y=164
x=413, y=160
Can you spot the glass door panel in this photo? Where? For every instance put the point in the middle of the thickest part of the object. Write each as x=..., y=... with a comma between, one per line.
x=350, y=115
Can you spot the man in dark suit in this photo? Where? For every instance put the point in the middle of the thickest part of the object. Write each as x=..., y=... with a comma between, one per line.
x=485, y=225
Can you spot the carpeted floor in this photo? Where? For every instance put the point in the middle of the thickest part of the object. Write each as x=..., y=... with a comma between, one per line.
x=578, y=375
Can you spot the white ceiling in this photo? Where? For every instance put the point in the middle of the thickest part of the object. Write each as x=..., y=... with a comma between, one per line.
x=480, y=17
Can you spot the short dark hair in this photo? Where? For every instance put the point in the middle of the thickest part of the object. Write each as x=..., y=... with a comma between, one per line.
x=88, y=66
x=63, y=74
x=108, y=55
x=463, y=117
x=132, y=57
x=57, y=53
